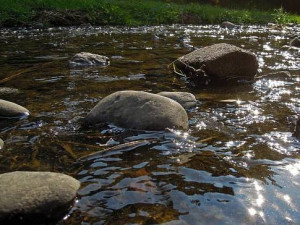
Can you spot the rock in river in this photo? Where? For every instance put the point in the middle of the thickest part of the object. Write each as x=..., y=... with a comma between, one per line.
x=297, y=129
x=10, y=109
x=35, y=197
x=223, y=61
x=228, y=25
x=8, y=91
x=139, y=110
x=1, y=144
x=186, y=99
x=89, y=59
x=295, y=42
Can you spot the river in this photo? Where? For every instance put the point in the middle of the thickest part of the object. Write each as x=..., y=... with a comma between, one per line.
x=237, y=164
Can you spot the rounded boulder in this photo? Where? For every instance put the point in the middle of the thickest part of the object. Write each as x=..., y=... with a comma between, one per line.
x=35, y=197
x=224, y=61
x=139, y=110
x=186, y=99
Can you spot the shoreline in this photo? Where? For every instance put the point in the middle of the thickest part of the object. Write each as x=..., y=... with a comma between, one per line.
x=129, y=13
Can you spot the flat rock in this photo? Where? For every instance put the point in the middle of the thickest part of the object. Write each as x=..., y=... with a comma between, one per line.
x=35, y=197
x=295, y=42
x=10, y=109
x=186, y=99
x=138, y=110
x=89, y=59
x=223, y=61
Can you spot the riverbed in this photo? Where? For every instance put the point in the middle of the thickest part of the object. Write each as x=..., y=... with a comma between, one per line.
x=237, y=164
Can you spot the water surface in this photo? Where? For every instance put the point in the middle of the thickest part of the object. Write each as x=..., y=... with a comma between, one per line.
x=237, y=164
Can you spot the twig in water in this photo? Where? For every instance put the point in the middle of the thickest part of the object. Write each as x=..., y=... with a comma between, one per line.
x=117, y=147
x=22, y=72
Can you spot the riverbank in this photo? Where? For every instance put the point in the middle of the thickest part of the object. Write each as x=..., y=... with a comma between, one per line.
x=128, y=13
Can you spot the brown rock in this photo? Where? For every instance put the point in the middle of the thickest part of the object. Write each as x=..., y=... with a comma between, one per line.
x=220, y=61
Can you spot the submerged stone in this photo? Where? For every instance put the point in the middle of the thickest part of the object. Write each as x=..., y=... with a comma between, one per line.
x=35, y=197
x=139, y=110
x=285, y=75
x=8, y=91
x=186, y=99
x=10, y=109
x=219, y=61
x=89, y=59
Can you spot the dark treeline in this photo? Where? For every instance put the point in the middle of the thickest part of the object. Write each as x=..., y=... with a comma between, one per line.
x=292, y=6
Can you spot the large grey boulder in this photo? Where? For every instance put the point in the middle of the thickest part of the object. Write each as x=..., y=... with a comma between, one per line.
x=186, y=99
x=35, y=197
x=139, y=110
x=219, y=61
x=295, y=42
x=88, y=59
x=10, y=109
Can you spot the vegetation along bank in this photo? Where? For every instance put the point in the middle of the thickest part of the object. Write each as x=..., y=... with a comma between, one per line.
x=130, y=13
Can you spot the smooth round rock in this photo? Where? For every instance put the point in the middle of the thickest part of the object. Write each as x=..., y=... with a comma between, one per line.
x=139, y=110
x=10, y=109
x=35, y=197
x=89, y=59
x=221, y=61
x=185, y=99
x=295, y=42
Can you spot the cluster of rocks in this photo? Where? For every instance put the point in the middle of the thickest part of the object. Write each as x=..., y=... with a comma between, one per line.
x=32, y=197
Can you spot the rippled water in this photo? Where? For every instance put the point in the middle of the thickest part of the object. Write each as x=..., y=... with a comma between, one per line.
x=237, y=164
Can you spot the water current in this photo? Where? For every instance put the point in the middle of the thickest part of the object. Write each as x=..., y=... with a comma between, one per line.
x=237, y=164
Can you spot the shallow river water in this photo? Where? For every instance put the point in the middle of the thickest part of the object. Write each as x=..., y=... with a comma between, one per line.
x=237, y=164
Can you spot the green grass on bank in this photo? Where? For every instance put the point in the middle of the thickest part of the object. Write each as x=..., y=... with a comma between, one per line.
x=130, y=13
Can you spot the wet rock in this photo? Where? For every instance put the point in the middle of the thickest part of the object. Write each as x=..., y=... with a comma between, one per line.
x=89, y=59
x=282, y=75
x=1, y=144
x=10, y=109
x=8, y=91
x=228, y=25
x=219, y=61
x=187, y=100
x=138, y=110
x=295, y=42
x=297, y=129
x=35, y=197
